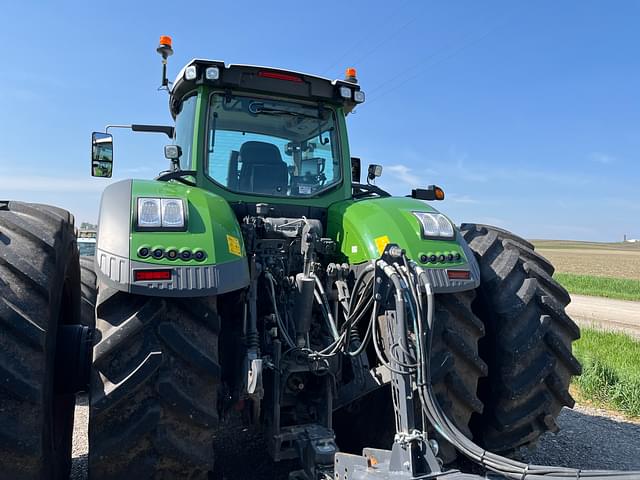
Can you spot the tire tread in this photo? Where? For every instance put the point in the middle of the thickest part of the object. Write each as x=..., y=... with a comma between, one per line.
x=528, y=341
x=154, y=386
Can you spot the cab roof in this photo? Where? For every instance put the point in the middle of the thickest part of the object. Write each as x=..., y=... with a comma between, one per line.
x=266, y=80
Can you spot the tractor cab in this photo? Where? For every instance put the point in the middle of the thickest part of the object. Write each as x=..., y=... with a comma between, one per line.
x=264, y=134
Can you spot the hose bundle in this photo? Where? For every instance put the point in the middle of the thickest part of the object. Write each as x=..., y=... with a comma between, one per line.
x=414, y=293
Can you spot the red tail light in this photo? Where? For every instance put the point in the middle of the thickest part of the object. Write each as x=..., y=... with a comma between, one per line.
x=147, y=275
x=280, y=76
x=459, y=274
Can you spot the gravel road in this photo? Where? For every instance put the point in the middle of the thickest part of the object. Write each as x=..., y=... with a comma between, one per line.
x=589, y=438
x=607, y=313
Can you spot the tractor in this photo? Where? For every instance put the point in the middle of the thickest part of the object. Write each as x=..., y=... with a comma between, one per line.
x=260, y=278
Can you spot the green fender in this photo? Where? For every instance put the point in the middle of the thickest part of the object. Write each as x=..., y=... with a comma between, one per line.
x=362, y=228
x=211, y=227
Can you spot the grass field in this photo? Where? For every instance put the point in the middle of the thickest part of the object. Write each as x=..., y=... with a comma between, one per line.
x=619, y=288
x=610, y=361
x=611, y=376
x=600, y=269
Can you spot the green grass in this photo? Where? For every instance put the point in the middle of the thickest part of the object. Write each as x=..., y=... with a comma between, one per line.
x=620, y=288
x=611, y=370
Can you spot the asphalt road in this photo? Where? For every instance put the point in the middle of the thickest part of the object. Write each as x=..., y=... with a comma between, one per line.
x=589, y=439
x=606, y=313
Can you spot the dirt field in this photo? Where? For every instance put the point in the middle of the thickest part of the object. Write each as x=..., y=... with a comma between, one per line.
x=620, y=260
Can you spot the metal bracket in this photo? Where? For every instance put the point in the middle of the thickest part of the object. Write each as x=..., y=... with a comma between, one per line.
x=411, y=456
x=375, y=464
x=254, y=379
x=317, y=449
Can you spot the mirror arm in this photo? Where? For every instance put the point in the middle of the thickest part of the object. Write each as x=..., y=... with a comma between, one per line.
x=166, y=129
x=106, y=129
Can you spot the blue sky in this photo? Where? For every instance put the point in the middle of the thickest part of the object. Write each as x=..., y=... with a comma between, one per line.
x=526, y=113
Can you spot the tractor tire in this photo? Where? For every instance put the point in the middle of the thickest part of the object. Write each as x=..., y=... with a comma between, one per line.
x=39, y=292
x=154, y=387
x=455, y=371
x=528, y=340
x=88, y=291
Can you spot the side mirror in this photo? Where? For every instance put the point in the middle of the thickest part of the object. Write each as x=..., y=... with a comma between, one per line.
x=374, y=171
x=101, y=155
x=355, y=169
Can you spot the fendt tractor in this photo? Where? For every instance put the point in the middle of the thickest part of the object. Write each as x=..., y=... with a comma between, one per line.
x=259, y=280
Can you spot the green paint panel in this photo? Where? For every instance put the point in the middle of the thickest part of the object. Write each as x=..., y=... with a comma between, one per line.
x=360, y=228
x=210, y=222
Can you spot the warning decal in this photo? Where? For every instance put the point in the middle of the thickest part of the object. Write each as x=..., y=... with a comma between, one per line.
x=234, y=245
x=382, y=242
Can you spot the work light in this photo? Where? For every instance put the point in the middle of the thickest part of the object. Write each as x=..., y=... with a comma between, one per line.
x=435, y=225
x=149, y=212
x=358, y=96
x=161, y=213
x=212, y=73
x=345, y=92
x=190, y=72
x=172, y=213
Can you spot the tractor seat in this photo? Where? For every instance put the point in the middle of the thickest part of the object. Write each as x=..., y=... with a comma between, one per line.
x=263, y=170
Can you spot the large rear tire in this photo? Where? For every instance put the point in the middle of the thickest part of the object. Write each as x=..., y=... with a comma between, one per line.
x=528, y=341
x=154, y=387
x=456, y=369
x=39, y=292
x=88, y=291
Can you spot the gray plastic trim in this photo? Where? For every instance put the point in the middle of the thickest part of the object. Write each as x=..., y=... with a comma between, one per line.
x=443, y=284
x=113, y=269
x=191, y=281
x=115, y=219
x=186, y=281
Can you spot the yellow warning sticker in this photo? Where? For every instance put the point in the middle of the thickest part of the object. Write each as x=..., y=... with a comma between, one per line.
x=382, y=242
x=234, y=245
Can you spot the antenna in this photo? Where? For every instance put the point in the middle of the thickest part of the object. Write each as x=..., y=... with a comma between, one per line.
x=165, y=50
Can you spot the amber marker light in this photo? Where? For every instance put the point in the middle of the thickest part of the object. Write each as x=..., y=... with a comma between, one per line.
x=165, y=40
x=350, y=75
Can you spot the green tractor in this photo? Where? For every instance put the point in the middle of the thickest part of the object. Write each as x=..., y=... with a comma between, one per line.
x=259, y=278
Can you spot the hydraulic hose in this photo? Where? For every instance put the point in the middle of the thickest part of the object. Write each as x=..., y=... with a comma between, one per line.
x=326, y=313
x=283, y=328
x=325, y=303
x=353, y=316
x=504, y=466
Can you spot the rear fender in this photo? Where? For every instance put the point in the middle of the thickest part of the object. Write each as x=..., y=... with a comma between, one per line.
x=211, y=227
x=362, y=229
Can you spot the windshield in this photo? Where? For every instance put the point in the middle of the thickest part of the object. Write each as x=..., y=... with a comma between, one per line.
x=272, y=147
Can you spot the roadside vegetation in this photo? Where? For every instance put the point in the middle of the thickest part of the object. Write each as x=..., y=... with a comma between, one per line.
x=611, y=376
x=619, y=288
x=610, y=361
